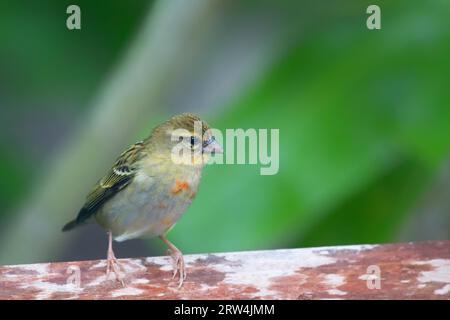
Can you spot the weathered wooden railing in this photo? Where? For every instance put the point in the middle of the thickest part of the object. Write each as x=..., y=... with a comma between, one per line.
x=392, y=271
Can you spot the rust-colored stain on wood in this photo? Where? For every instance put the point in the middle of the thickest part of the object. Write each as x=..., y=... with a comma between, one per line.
x=180, y=186
x=394, y=271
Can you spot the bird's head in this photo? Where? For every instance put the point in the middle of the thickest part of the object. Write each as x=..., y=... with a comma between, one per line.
x=186, y=138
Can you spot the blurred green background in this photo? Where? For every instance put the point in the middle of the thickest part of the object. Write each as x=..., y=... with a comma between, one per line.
x=364, y=118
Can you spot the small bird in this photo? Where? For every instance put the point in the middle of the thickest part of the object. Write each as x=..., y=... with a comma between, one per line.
x=150, y=186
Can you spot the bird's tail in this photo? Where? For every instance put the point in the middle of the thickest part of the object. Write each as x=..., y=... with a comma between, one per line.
x=81, y=218
x=70, y=225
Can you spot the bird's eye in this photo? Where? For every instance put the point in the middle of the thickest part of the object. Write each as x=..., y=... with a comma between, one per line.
x=194, y=141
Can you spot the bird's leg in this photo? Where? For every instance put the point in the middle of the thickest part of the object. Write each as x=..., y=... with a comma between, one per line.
x=178, y=261
x=112, y=263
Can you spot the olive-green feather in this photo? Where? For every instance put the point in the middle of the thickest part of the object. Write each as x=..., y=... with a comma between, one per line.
x=118, y=177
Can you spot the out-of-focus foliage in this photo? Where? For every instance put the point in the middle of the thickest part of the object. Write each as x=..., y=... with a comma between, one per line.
x=48, y=76
x=364, y=116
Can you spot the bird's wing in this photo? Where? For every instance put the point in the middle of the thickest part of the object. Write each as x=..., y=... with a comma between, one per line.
x=118, y=177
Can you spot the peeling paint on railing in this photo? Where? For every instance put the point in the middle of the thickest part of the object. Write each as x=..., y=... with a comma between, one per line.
x=406, y=271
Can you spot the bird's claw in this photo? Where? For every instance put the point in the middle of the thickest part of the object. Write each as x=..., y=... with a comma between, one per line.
x=113, y=265
x=178, y=266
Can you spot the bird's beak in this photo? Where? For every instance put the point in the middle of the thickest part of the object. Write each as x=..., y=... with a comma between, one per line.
x=213, y=147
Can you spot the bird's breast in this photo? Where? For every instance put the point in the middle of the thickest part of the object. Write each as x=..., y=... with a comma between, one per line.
x=150, y=205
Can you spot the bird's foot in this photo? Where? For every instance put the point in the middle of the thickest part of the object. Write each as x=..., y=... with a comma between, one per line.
x=113, y=265
x=178, y=266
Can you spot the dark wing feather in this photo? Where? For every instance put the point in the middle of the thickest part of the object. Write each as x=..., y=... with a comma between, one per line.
x=120, y=175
